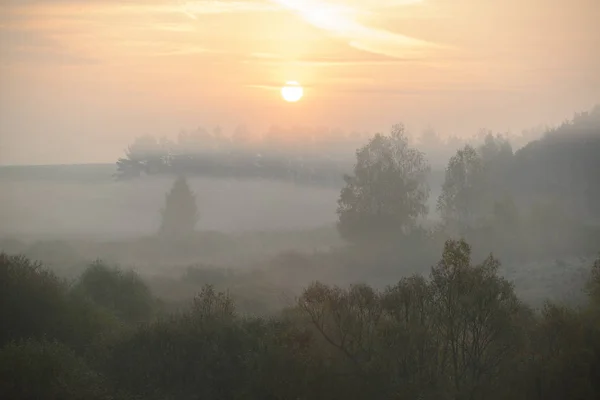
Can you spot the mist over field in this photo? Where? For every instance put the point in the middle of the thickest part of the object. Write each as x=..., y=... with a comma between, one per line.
x=105, y=208
x=257, y=201
x=300, y=200
x=203, y=230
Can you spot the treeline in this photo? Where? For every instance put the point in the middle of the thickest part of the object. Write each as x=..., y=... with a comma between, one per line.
x=484, y=197
x=545, y=196
x=202, y=154
x=461, y=333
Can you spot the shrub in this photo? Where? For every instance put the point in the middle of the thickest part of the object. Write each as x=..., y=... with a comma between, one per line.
x=34, y=302
x=123, y=293
x=32, y=369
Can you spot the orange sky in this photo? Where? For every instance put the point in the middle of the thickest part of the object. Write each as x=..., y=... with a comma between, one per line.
x=80, y=79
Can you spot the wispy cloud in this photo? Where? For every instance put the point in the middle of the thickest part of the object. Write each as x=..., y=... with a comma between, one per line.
x=273, y=59
x=202, y=7
x=111, y=29
x=341, y=19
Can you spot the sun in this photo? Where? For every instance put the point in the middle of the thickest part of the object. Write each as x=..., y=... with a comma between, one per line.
x=292, y=91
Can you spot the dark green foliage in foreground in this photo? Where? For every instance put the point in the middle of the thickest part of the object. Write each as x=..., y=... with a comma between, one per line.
x=33, y=369
x=36, y=304
x=460, y=334
x=121, y=292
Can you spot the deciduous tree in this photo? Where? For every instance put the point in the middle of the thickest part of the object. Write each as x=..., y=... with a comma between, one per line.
x=388, y=190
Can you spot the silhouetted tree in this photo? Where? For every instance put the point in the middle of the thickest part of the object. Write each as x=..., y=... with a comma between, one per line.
x=387, y=192
x=461, y=190
x=479, y=317
x=180, y=213
x=475, y=181
x=145, y=155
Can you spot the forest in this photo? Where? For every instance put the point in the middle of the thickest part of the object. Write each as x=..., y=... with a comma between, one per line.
x=471, y=294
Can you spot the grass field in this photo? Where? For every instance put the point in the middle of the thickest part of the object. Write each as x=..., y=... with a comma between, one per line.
x=85, y=201
x=67, y=216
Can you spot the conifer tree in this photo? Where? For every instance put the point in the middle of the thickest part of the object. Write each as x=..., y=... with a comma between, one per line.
x=180, y=213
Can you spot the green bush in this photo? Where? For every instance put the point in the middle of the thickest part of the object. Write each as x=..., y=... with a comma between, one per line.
x=34, y=302
x=32, y=369
x=122, y=293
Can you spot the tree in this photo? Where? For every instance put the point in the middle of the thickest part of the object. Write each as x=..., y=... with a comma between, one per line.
x=146, y=154
x=479, y=316
x=180, y=214
x=461, y=191
x=476, y=178
x=388, y=191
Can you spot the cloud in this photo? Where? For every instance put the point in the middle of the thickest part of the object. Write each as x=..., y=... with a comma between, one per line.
x=341, y=19
x=203, y=7
x=71, y=30
x=113, y=30
x=273, y=59
x=193, y=8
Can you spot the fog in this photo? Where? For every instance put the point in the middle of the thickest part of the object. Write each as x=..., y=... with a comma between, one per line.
x=108, y=209
x=258, y=197
x=421, y=220
x=215, y=227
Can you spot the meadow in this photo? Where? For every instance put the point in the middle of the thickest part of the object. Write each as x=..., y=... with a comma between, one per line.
x=249, y=230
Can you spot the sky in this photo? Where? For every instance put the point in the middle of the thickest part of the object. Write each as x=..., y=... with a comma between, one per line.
x=80, y=79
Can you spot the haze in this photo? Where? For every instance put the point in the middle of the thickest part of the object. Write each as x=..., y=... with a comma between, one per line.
x=300, y=199
x=79, y=80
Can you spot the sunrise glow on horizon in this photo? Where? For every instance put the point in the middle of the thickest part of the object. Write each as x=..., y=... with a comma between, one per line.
x=106, y=71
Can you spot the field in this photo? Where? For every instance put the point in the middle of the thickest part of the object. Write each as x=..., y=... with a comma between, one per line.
x=92, y=204
x=68, y=216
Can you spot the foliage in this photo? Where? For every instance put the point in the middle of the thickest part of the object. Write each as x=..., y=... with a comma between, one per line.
x=203, y=154
x=593, y=286
x=563, y=165
x=209, y=354
x=180, y=213
x=36, y=304
x=387, y=192
x=33, y=369
x=478, y=316
x=31, y=299
x=456, y=335
x=536, y=202
x=122, y=293
x=461, y=191
x=460, y=334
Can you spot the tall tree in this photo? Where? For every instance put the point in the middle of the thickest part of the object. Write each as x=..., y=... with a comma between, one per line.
x=180, y=213
x=479, y=316
x=387, y=192
x=461, y=192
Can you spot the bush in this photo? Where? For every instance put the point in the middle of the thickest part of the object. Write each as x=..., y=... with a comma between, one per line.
x=34, y=369
x=123, y=293
x=34, y=302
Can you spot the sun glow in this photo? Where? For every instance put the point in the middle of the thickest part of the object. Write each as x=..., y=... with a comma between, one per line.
x=292, y=91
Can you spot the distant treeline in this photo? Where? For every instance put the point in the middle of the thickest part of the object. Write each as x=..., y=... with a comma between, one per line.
x=231, y=164
x=562, y=166
x=205, y=154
